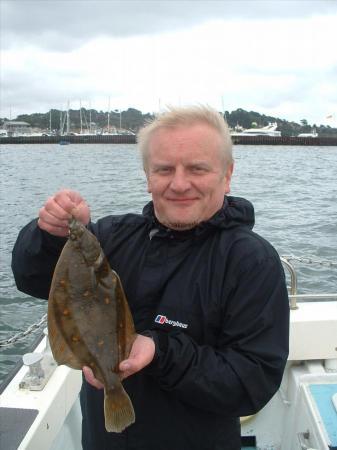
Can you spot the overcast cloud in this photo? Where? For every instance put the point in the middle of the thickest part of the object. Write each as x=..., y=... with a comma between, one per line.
x=274, y=57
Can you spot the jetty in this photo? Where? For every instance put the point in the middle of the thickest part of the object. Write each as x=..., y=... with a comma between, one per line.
x=131, y=139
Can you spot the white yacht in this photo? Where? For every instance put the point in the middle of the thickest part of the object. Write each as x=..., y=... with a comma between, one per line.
x=313, y=134
x=269, y=130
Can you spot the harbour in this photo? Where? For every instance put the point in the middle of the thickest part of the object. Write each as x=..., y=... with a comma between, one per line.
x=75, y=94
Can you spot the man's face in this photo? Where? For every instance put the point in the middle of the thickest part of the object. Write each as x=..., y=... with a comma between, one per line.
x=185, y=175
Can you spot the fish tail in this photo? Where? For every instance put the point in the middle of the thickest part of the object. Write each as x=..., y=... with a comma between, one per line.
x=118, y=410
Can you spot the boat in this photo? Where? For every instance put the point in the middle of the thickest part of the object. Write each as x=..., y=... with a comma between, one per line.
x=312, y=134
x=268, y=130
x=39, y=403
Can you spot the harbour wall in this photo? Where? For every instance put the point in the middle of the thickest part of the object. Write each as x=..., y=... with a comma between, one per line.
x=131, y=139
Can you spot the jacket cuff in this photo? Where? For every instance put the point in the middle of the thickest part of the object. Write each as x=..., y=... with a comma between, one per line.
x=160, y=339
x=55, y=243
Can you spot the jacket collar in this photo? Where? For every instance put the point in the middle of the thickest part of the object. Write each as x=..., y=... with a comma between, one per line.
x=235, y=212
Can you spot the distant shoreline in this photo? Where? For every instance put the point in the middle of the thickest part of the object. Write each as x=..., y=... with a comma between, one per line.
x=131, y=139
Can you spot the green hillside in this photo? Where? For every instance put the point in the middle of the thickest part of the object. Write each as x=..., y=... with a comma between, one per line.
x=133, y=119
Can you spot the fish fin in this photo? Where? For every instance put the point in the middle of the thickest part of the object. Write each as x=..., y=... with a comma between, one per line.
x=126, y=330
x=59, y=346
x=118, y=410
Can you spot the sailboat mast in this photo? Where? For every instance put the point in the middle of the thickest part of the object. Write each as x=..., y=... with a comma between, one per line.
x=68, y=124
x=109, y=116
x=81, y=116
x=90, y=117
x=61, y=127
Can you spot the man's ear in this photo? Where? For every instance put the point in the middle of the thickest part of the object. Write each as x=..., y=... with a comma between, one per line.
x=228, y=178
x=148, y=182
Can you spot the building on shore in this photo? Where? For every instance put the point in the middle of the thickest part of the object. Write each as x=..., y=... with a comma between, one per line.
x=17, y=128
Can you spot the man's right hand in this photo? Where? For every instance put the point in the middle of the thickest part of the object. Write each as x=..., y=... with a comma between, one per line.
x=55, y=214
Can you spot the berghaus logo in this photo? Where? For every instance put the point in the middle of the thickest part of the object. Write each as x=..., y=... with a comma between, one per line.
x=174, y=323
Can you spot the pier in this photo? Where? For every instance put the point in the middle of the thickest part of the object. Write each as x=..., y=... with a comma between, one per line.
x=131, y=139
x=284, y=140
x=72, y=139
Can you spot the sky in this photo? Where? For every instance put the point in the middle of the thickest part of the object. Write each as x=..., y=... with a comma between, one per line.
x=276, y=57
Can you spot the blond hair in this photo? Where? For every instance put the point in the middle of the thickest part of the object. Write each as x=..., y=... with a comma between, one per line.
x=187, y=116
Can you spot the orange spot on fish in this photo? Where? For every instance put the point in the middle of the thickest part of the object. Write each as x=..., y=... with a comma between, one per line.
x=86, y=294
x=75, y=338
x=107, y=300
x=100, y=343
x=63, y=282
x=92, y=364
x=66, y=312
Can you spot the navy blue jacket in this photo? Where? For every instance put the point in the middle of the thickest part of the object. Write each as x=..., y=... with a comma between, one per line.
x=216, y=303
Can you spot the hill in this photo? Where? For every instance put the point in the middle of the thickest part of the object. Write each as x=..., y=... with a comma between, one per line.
x=133, y=119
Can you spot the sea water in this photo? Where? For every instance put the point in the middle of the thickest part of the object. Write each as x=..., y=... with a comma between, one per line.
x=293, y=189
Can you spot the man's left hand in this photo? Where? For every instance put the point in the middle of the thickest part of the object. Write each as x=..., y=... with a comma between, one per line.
x=141, y=355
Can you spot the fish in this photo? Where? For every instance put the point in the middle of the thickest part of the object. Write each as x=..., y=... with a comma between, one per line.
x=89, y=320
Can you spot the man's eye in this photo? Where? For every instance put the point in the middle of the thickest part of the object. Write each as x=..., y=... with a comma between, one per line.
x=198, y=169
x=163, y=170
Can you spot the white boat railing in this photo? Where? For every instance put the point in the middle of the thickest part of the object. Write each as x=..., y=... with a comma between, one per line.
x=293, y=295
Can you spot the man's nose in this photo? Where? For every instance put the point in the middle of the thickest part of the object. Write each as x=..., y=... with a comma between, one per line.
x=180, y=181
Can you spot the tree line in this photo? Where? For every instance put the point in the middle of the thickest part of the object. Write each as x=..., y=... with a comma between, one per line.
x=132, y=119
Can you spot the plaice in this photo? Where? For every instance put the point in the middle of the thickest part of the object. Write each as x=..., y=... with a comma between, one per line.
x=89, y=320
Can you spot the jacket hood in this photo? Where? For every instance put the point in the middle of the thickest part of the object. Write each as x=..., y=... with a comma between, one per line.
x=235, y=212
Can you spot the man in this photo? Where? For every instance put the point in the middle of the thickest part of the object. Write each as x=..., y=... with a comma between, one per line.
x=207, y=294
